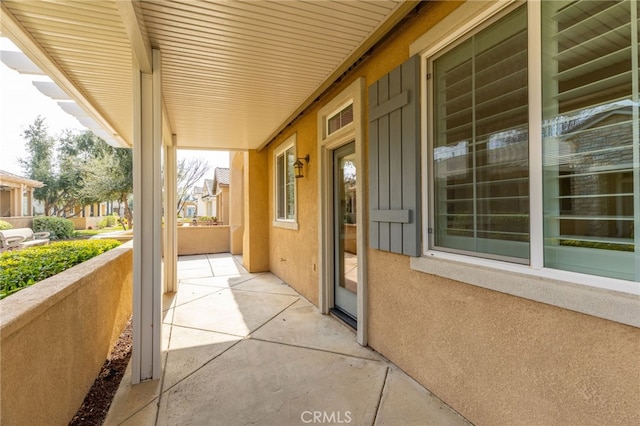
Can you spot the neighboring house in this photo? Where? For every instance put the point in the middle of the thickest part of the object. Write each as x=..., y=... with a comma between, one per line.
x=495, y=256
x=189, y=208
x=208, y=199
x=196, y=194
x=221, y=187
x=16, y=195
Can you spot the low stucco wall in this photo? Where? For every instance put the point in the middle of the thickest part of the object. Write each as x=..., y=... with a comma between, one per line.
x=55, y=336
x=79, y=222
x=19, y=222
x=86, y=222
x=203, y=239
x=350, y=238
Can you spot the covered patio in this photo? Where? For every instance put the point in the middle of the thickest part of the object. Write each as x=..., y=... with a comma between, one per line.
x=161, y=76
x=245, y=348
x=16, y=196
x=316, y=98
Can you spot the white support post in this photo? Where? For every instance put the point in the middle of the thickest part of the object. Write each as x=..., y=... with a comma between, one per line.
x=147, y=224
x=30, y=202
x=170, y=221
x=14, y=201
x=21, y=201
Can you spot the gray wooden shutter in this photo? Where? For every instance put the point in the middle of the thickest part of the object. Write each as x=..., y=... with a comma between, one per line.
x=394, y=161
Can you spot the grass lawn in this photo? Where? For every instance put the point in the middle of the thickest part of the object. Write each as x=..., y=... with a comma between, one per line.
x=87, y=233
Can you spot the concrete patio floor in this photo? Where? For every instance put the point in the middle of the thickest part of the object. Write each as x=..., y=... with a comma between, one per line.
x=241, y=348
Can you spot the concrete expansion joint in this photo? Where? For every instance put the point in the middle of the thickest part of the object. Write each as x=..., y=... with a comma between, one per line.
x=258, y=291
x=382, y=393
x=164, y=391
x=193, y=300
x=155, y=401
x=209, y=331
x=273, y=316
x=291, y=345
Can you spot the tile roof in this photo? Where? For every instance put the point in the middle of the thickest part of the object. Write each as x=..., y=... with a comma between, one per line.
x=208, y=186
x=221, y=176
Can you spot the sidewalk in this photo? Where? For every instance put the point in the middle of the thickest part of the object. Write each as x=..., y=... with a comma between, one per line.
x=241, y=349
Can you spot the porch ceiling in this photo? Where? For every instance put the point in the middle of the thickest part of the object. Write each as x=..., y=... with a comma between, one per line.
x=233, y=72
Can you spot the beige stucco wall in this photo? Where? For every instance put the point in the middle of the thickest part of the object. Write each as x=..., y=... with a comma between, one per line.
x=5, y=203
x=55, y=336
x=222, y=204
x=497, y=359
x=19, y=222
x=294, y=253
x=350, y=238
x=236, y=201
x=203, y=239
x=255, y=241
x=79, y=222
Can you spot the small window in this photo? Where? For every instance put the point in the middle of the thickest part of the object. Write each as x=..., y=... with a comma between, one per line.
x=340, y=119
x=285, y=182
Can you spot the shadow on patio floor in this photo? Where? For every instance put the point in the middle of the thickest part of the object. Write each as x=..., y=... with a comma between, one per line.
x=241, y=348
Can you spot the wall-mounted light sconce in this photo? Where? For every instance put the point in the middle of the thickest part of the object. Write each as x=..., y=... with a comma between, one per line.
x=298, y=166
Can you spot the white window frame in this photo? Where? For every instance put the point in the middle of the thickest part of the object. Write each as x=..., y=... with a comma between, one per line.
x=609, y=298
x=332, y=114
x=352, y=132
x=278, y=152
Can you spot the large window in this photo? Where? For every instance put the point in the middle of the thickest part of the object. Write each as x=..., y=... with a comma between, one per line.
x=590, y=128
x=285, y=181
x=586, y=113
x=480, y=147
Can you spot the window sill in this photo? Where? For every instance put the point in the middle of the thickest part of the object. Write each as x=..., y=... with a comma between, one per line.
x=566, y=290
x=285, y=224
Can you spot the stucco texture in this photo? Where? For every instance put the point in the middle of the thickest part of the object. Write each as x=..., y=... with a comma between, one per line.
x=56, y=335
x=294, y=253
x=203, y=239
x=255, y=247
x=497, y=359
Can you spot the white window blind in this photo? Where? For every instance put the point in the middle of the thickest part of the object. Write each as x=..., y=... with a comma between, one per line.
x=285, y=185
x=590, y=136
x=480, y=142
x=340, y=119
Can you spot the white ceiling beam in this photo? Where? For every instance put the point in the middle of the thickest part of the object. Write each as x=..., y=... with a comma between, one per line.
x=30, y=47
x=167, y=132
x=141, y=51
x=50, y=89
x=140, y=46
x=20, y=62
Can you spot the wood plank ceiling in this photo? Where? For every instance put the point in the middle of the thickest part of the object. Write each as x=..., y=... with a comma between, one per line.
x=233, y=72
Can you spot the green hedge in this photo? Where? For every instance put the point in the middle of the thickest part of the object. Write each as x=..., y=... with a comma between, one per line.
x=108, y=222
x=58, y=227
x=5, y=225
x=22, y=268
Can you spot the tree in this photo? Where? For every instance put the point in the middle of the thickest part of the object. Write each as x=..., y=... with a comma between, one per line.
x=109, y=176
x=190, y=172
x=38, y=165
x=85, y=170
x=75, y=152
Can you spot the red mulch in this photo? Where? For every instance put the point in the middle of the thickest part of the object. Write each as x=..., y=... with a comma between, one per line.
x=96, y=404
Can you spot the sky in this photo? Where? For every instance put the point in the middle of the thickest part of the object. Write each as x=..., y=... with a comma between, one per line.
x=21, y=103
